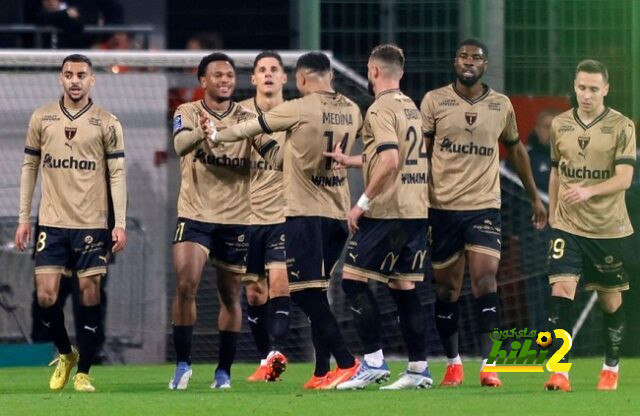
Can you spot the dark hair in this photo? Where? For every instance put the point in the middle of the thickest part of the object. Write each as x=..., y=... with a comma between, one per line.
x=216, y=56
x=474, y=42
x=591, y=66
x=315, y=61
x=268, y=54
x=76, y=57
x=389, y=54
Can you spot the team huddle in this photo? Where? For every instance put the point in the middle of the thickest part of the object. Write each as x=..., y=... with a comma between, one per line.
x=264, y=196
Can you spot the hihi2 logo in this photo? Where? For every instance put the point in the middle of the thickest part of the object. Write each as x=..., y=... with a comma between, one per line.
x=522, y=359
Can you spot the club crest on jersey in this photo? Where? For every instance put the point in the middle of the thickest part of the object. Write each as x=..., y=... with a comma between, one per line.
x=470, y=117
x=583, y=141
x=177, y=123
x=70, y=132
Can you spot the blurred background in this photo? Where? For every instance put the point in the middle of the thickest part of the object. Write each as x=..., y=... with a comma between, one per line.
x=145, y=52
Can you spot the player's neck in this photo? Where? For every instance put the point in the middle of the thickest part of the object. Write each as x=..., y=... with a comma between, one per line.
x=471, y=92
x=267, y=102
x=215, y=105
x=75, y=105
x=386, y=86
x=320, y=87
x=588, y=116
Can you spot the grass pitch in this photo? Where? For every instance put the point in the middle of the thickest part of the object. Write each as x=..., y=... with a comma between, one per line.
x=142, y=390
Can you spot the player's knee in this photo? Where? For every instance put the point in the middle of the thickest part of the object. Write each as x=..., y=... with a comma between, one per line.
x=485, y=283
x=256, y=297
x=46, y=297
x=186, y=290
x=447, y=293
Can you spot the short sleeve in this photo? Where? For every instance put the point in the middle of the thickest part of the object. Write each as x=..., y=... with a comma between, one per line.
x=509, y=134
x=626, y=144
x=382, y=122
x=114, y=139
x=184, y=120
x=34, y=133
x=427, y=113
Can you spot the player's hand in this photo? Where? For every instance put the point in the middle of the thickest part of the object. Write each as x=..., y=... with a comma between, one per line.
x=339, y=158
x=577, y=194
x=23, y=236
x=119, y=238
x=206, y=125
x=353, y=217
x=539, y=217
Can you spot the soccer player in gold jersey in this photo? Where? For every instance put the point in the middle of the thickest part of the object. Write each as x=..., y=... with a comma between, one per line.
x=213, y=214
x=464, y=122
x=266, y=282
x=389, y=224
x=593, y=153
x=80, y=148
x=317, y=194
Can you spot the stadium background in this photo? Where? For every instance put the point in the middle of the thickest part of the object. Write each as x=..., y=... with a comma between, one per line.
x=533, y=48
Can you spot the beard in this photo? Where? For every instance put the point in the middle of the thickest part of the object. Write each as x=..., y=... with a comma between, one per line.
x=370, y=88
x=469, y=81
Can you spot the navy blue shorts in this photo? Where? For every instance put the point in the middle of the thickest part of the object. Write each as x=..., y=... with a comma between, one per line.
x=454, y=232
x=225, y=244
x=384, y=249
x=601, y=261
x=313, y=246
x=63, y=250
x=266, y=249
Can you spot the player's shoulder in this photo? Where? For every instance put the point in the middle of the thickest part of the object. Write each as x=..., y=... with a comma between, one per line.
x=249, y=104
x=98, y=112
x=444, y=92
x=617, y=118
x=564, y=118
x=242, y=112
x=498, y=97
x=50, y=109
x=190, y=107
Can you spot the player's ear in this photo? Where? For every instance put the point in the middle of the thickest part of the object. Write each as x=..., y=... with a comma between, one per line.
x=253, y=80
x=605, y=90
x=92, y=79
x=203, y=83
x=284, y=77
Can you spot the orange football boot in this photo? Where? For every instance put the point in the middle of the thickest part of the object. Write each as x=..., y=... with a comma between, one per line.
x=453, y=377
x=608, y=380
x=558, y=381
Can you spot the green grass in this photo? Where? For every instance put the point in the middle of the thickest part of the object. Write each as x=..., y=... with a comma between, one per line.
x=142, y=390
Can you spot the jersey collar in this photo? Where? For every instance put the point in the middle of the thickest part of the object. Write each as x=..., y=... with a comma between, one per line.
x=219, y=116
x=78, y=114
x=484, y=95
x=576, y=117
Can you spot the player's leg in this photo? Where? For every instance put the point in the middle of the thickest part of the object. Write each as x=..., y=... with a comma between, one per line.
x=90, y=321
x=229, y=324
x=608, y=275
x=448, y=260
x=257, y=293
x=613, y=334
x=279, y=317
x=370, y=254
x=565, y=270
x=189, y=259
x=408, y=270
x=322, y=360
x=53, y=251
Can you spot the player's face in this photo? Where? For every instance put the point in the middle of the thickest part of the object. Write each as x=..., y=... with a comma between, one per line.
x=269, y=76
x=590, y=91
x=219, y=80
x=469, y=64
x=76, y=80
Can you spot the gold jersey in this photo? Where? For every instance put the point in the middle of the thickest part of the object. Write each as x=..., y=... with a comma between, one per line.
x=74, y=153
x=215, y=180
x=314, y=124
x=393, y=122
x=267, y=195
x=465, y=166
x=585, y=155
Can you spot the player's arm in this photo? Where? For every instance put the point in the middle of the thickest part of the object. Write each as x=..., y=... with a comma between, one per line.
x=519, y=158
x=114, y=150
x=624, y=162
x=280, y=118
x=28, y=177
x=188, y=133
x=386, y=140
x=553, y=194
x=269, y=149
